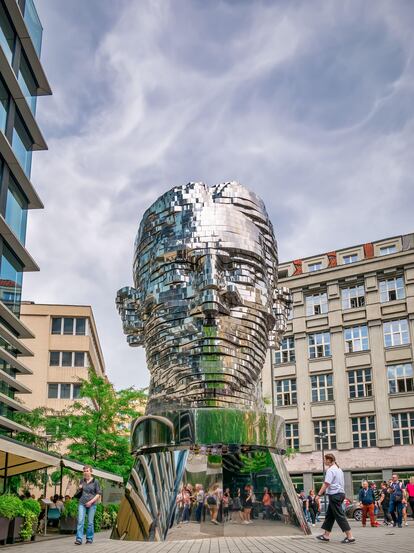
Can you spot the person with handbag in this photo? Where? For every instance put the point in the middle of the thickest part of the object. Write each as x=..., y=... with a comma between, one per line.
x=88, y=493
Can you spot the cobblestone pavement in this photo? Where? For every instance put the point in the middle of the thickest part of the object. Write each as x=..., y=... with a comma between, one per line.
x=369, y=540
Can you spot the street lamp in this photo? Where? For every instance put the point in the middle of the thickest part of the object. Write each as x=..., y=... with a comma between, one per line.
x=322, y=436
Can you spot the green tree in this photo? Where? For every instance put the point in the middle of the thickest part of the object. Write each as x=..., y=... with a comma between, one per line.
x=95, y=429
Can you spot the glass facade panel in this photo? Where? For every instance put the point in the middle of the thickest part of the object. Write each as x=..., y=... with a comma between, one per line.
x=76, y=391
x=16, y=210
x=34, y=26
x=28, y=84
x=22, y=144
x=4, y=105
x=11, y=276
x=7, y=34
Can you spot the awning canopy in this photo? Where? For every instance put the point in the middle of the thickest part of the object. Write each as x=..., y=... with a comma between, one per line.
x=18, y=458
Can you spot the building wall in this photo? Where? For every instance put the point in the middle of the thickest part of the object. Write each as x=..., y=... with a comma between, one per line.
x=22, y=80
x=371, y=265
x=39, y=318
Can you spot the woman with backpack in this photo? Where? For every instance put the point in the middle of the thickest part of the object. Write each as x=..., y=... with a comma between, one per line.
x=237, y=504
x=213, y=501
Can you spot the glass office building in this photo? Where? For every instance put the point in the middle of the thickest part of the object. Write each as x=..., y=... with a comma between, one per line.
x=22, y=80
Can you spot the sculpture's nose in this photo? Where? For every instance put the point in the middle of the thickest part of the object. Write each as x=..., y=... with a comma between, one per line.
x=211, y=286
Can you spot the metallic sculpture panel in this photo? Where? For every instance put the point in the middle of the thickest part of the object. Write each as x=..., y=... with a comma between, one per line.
x=205, y=305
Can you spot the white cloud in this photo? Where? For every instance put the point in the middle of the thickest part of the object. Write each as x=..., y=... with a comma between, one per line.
x=303, y=102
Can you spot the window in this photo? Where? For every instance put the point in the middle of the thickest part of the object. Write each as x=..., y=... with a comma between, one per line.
x=64, y=390
x=312, y=267
x=319, y=345
x=386, y=250
x=286, y=392
x=7, y=35
x=322, y=387
x=54, y=358
x=352, y=258
x=68, y=323
x=353, y=296
x=71, y=325
x=363, y=432
x=27, y=83
x=81, y=327
x=316, y=304
x=360, y=383
x=392, y=289
x=11, y=276
x=359, y=477
x=286, y=352
x=16, y=210
x=68, y=359
x=22, y=144
x=400, y=378
x=292, y=435
x=396, y=333
x=403, y=428
x=79, y=359
x=356, y=338
x=53, y=390
x=56, y=325
x=4, y=105
x=326, y=427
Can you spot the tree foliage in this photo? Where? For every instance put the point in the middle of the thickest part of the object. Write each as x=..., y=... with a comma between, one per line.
x=94, y=429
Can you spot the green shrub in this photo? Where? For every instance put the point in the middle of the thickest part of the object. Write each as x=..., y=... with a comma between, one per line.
x=32, y=505
x=71, y=508
x=10, y=506
x=112, y=510
x=98, y=517
x=29, y=520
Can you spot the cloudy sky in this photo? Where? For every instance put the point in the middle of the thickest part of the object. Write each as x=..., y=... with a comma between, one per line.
x=308, y=103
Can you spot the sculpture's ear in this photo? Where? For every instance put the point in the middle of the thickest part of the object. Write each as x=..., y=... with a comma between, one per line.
x=282, y=305
x=128, y=305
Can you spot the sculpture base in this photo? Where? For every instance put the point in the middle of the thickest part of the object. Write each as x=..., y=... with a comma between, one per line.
x=192, y=472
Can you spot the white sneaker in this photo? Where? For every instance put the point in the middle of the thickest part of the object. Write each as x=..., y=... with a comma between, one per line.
x=245, y=522
x=406, y=523
x=313, y=525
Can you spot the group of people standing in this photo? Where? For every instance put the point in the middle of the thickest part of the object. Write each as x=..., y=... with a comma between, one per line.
x=393, y=498
x=218, y=503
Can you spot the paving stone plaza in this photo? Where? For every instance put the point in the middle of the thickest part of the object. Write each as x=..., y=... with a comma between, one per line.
x=379, y=540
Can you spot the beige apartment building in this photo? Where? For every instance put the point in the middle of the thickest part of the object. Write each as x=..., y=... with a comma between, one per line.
x=66, y=344
x=344, y=372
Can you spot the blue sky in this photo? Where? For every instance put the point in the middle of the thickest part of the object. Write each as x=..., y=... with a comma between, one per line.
x=308, y=103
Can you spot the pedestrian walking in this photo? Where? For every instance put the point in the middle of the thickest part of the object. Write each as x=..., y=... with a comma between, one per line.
x=88, y=493
x=384, y=503
x=237, y=504
x=334, y=487
x=367, y=503
x=396, y=500
x=248, y=503
x=312, y=506
x=410, y=491
x=199, y=500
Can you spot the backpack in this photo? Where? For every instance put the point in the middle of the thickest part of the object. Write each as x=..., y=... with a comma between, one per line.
x=398, y=495
x=211, y=500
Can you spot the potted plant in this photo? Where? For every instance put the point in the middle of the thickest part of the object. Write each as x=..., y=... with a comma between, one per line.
x=69, y=518
x=10, y=506
x=11, y=510
x=31, y=512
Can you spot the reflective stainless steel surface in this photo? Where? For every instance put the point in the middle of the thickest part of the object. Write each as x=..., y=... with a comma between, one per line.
x=205, y=305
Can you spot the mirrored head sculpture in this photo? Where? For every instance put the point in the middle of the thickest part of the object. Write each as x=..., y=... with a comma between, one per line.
x=205, y=305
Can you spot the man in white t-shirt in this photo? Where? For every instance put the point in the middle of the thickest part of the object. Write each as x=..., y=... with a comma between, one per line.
x=334, y=487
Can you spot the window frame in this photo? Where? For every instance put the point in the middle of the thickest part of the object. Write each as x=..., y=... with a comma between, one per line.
x=287, y=395
x=407, y=380
x=322, y=385
x=403, y=435
x=325, y=426
x=362, y=426
x=354, y=335
x=292, y=435
x=325, y=345
x=363, y=383
x=347, y=296
x=316, y=304
x=288, y=352
x=399, y=332
x=386, y=289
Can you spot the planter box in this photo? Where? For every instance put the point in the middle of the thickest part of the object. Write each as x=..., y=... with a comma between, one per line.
x=14, y=529
x=68, y=525
x=4, y=529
